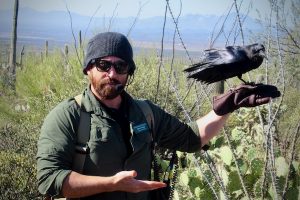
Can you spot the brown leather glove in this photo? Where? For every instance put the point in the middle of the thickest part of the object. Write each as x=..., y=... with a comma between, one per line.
x=245, y=95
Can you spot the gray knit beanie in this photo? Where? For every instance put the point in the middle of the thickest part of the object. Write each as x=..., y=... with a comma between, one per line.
x=109, y=44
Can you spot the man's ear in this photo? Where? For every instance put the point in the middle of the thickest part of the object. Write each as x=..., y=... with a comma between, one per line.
x=129, y=79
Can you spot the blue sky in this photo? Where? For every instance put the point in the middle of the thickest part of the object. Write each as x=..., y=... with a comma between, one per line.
x=125, y=8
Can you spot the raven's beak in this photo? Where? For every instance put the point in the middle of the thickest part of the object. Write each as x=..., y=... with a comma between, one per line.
x=263, y=54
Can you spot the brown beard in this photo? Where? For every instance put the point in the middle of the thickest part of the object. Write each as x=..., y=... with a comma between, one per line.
x=106, y=88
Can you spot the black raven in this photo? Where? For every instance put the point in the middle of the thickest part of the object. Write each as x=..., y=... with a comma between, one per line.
x=220, y=64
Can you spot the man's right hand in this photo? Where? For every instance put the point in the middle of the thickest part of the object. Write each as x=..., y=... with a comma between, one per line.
x=125, y=181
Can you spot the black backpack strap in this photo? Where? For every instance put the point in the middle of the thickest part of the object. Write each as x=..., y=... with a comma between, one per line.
x=83, y=136
x=167, y=192
x=148, y=113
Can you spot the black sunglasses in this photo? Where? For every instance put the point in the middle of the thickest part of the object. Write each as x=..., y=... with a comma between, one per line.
x=105, y=65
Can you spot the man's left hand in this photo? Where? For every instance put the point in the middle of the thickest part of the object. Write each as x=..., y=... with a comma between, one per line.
x=245, y=95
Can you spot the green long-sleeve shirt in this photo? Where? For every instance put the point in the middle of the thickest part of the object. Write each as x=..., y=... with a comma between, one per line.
x=108, y=150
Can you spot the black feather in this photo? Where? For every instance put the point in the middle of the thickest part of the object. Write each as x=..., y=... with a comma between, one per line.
x=221, y=64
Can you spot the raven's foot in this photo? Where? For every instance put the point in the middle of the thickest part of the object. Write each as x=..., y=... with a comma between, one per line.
x=246, y=82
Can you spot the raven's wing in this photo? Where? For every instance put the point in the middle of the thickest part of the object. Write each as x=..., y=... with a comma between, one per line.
x=217, y=65
x=207, y=73
x=229, y=55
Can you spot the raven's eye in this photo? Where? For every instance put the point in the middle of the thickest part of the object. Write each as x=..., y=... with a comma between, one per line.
x=258, y=50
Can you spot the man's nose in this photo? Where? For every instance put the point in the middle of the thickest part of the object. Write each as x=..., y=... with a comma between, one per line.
x=111, y=72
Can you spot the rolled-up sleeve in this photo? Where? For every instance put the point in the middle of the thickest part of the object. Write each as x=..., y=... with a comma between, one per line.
x=172, y=133
x=56, y=147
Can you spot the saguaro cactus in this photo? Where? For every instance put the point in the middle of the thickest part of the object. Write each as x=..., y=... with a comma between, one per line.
x=220, y=87
x=13, y=46
x=46, y=48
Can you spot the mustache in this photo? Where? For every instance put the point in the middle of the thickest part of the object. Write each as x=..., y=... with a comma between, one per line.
x=117, y=84
x=110, y=81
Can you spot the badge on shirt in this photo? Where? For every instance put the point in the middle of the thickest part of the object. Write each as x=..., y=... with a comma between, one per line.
x=140, y=128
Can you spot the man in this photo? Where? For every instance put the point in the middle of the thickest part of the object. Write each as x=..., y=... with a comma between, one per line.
x=118, y=163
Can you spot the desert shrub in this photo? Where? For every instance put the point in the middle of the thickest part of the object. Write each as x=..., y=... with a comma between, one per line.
x=41, y=84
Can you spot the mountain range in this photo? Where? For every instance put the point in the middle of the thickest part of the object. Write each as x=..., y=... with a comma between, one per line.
x=35, y=27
